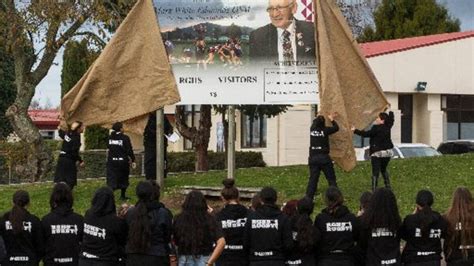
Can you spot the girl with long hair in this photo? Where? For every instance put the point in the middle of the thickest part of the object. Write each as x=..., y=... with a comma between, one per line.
x=459, y=244
x=380, y=146
x=338, y=228
x=66, y=169
x=105, y=234
x=149, y=234
x=62, y=228
x=232, y=218
x=22, y=233
x=422, y=232
x=304, y=234
x=379, y=235
x=196, y=232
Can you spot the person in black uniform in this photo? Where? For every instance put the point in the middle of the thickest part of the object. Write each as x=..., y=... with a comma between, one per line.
x=22, y=233
x=304, y=235
x=232, y=219
x=66, y=169
x=62, y=229
x=267, y=232
x=119, y=158
x=380, y=146
x=149, y=234
x=379, y=237
x=339, y=231
x=422, y=232
x=105, y=234
x=459, y=244
x=319, y=153
x=149, y=142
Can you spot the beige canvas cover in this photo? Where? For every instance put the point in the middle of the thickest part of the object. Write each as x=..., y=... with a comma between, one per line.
x=131, y=78
x=347, y=84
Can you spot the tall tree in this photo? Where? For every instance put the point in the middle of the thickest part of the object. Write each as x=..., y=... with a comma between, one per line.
x=396, y=19
x=77, y=59
x=52, y=24
x=7, y=90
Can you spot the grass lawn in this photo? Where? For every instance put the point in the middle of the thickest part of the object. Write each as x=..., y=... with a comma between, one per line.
x=441, y=175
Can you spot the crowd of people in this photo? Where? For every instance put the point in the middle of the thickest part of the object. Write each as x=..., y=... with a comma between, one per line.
x=261, y=234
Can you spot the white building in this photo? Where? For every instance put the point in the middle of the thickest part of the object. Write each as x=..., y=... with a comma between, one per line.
x=428, y=80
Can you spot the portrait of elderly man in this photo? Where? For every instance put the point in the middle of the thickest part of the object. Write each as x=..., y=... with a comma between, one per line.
x=285, y=38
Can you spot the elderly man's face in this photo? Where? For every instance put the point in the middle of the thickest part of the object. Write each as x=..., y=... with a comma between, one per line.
x=281, y=12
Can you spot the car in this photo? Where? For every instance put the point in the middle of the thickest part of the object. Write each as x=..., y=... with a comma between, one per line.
x=408, y=150
x=456, y=146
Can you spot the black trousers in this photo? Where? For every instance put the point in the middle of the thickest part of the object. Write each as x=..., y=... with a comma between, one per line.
x=66, y=171
x=318, y=163
x=379, y=165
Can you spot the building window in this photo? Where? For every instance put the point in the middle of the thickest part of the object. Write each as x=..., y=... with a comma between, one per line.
x=359, y=141
x=254, y=132
x=192, y=116
x=460, y=115
x=47, y=134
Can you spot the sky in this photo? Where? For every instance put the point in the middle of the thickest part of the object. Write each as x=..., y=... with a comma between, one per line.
x=49, y=90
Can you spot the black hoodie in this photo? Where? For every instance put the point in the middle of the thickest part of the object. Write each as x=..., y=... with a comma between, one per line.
x=233, y=218
x=3, y=250
x=268, y=234
x=420, y=247
x=298, y=255
x=62, y=229
x=71, y=145
x=338, y=233
x=120, y=148
x=381, y=246
x=105, y=234
x=26, y=246
x=160, y=223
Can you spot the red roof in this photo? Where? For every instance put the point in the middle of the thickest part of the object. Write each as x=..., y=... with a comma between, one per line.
x=44, y=118
x=372, y=49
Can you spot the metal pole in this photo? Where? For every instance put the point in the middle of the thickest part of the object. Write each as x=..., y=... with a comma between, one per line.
x=160, y=148
x=231, y=143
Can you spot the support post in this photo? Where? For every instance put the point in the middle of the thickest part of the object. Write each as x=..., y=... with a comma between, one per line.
x=231, y=143
x=160, y=148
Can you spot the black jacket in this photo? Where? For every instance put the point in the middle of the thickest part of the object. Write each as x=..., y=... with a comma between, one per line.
x=380, y=246
x=268, y=234
x=380, y=135
x=28, y=245
x=62, y=229
x=120, y=148
x=452, y=250
x=160, y=223
x=233, y=218
x=319, y=139
x=71, y=145
x=338, y=231
x=104, y=238
x=422, y=247
x=299, y=255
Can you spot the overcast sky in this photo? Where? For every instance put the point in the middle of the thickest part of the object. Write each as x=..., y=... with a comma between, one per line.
x=50, y=87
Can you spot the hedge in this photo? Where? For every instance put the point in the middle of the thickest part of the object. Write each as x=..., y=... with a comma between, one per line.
x=95, y=163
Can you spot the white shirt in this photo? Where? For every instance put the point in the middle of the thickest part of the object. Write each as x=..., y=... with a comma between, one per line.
x=291, y=28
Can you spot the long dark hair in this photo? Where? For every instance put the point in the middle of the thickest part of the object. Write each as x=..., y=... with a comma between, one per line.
x=61, y=197
x=460, y=217
x=193, y=223
x=18, y=213
x=333, y=198
x=424, y=199
x=306, y=235
x=382, y=211
x=318, y=122
x=139, y=234
x=268, y=195
x=229, y=192
x=103, y=202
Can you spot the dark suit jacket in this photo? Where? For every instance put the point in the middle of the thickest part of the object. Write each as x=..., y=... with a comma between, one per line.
x=264, y=42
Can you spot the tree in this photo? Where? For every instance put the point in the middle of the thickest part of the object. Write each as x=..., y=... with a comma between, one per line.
x=234, y=31
x=7, y=90
x=52, y=24
x=77, y=59
x=199, y=135
x=395, y=19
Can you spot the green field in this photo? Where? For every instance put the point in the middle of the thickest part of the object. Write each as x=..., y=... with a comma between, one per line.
x=441, y=175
